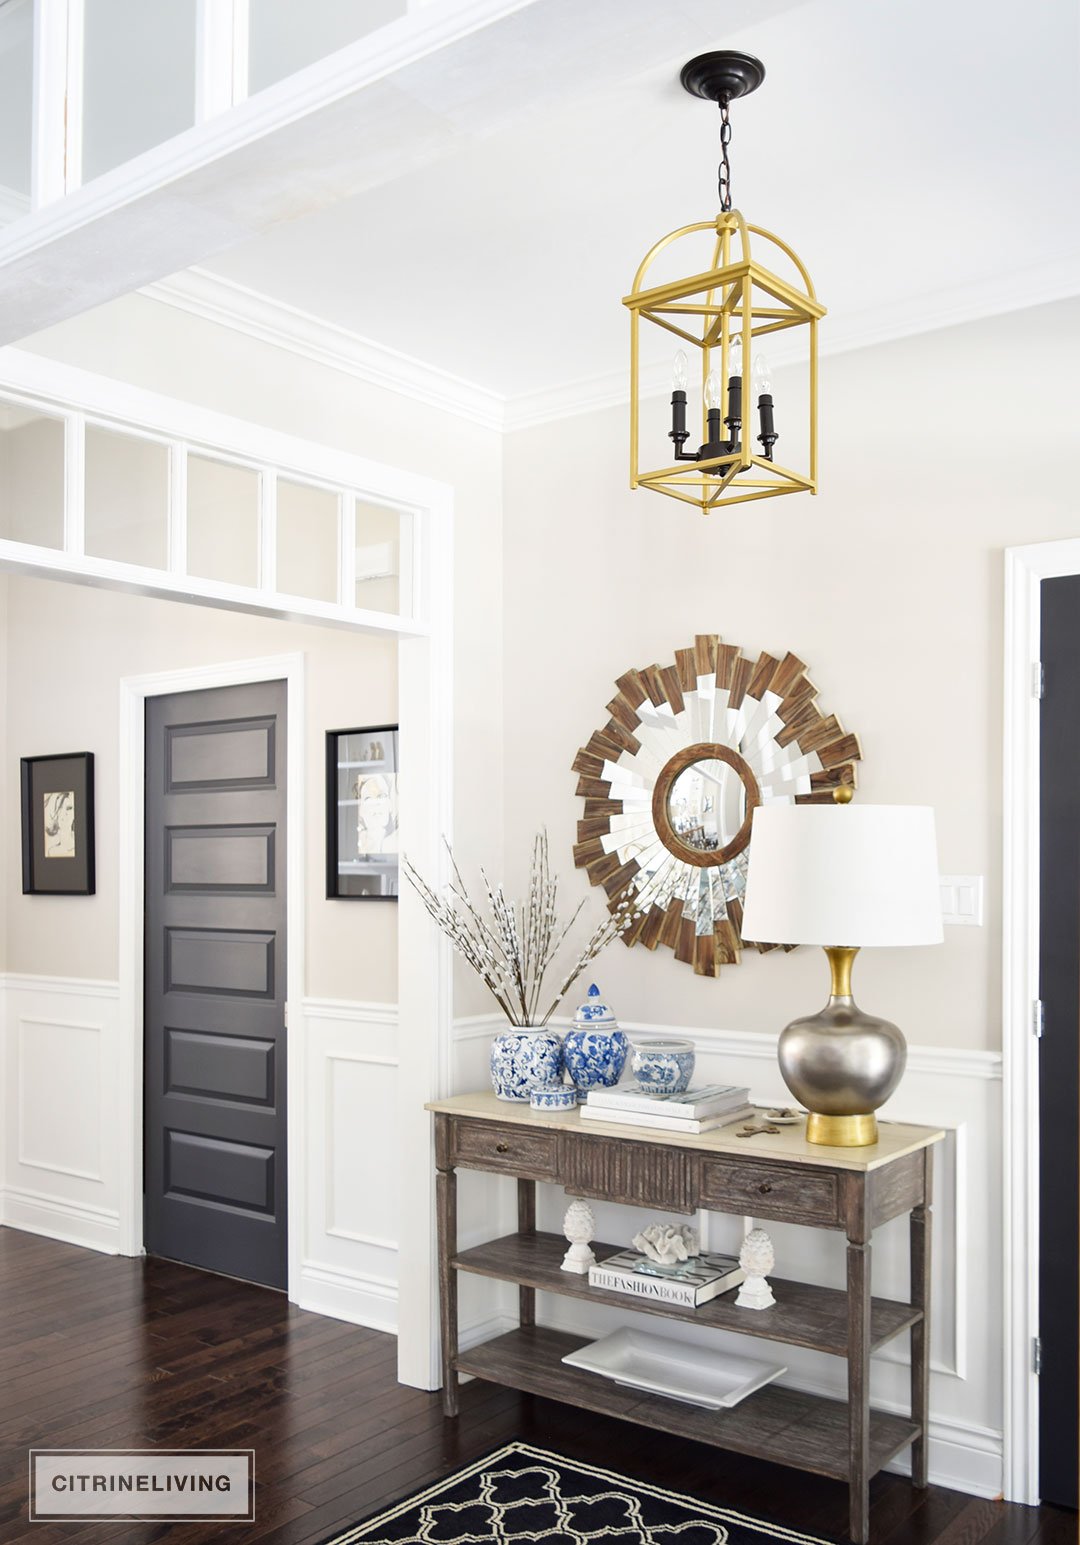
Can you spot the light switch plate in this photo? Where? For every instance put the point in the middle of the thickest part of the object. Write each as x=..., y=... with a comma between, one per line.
x=962, y=899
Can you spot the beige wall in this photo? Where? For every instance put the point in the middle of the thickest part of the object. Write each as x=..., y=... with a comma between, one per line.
x=161, y=349
x=937, y=452
x=69, y=647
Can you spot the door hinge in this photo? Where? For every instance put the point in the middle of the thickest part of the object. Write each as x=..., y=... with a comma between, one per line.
x=1038, y=1018
x=1038, y=680
x=1036, y=1354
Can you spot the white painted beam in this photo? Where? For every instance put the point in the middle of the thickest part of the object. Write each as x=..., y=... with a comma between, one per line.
x=409, y=94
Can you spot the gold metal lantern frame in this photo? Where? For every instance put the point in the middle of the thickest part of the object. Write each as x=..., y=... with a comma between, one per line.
x=738, y=298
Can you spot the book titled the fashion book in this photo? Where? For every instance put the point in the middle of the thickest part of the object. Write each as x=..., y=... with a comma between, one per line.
x=690, y=1284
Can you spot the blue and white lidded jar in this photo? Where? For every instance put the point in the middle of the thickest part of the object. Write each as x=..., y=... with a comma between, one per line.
x=524, y=1058
x=595, y=1049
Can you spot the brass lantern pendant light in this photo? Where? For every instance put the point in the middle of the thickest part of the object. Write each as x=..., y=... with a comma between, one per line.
x=722, y=313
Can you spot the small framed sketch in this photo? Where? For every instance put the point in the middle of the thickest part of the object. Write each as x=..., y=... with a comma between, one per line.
x=362, y=814
x=58, y=825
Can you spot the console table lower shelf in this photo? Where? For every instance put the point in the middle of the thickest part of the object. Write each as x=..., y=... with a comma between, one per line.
x=807, y=1432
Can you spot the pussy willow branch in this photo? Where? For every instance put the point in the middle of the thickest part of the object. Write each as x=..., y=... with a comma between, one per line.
x=513, y=952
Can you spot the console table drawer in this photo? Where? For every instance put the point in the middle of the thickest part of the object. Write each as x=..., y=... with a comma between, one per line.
x=639, y=1174
x=770, y=1191
x=484, y=1146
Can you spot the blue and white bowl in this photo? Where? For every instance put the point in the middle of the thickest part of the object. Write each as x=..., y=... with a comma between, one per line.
x=595, y=1049
x=559, y=1097
x=663, y=1066
x=524, y=1059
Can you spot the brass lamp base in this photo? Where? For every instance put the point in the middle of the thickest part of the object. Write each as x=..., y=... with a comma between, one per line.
x=842, y=1131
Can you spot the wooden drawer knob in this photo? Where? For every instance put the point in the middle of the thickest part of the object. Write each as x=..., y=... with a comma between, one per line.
x=764, y=1188
x=502, y=1147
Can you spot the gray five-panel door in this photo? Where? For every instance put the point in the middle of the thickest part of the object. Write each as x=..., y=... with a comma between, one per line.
x=215, y=1146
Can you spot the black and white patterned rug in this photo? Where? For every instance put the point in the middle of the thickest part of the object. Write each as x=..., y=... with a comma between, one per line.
x=524, y=1494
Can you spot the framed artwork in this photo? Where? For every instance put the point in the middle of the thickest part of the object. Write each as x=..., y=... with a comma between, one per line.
x=58, y=825
x=362, y=814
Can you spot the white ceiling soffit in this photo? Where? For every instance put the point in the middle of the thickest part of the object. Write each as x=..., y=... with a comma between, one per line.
x=917, y=155
x=419, y=90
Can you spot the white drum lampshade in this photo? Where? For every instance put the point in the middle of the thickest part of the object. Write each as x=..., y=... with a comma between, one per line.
x=853, y=875
x=844, y=877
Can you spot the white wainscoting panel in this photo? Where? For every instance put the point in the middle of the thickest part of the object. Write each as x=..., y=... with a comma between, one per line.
x=350, y=1264
x=956, y=1090
x=59, y=1167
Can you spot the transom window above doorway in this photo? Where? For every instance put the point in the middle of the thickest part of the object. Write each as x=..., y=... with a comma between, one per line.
x=236, y=513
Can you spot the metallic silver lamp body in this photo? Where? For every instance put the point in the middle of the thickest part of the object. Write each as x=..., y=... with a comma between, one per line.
x=842, y=1064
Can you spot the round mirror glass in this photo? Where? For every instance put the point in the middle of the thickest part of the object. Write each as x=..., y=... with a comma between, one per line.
x=707, y=805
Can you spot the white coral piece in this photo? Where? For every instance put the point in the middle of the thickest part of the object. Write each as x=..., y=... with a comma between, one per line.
x=662, y=1244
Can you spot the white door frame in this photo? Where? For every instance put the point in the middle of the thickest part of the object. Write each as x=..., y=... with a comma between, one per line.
x=1025, y=570
x=134, y=691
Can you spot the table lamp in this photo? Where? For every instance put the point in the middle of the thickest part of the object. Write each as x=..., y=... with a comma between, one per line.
x=845, y=877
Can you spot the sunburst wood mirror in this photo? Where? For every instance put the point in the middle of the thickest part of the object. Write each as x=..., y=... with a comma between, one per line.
x=671, y=781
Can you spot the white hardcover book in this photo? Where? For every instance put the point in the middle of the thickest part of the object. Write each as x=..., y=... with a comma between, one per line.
x=690, y=1285
x=659, y=1122
x=692, y=1104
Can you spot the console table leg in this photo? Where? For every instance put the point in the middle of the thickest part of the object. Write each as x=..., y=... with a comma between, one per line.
x=920, y=1333
x=446, y=1201
x=858, y=1282
x=526, y=1190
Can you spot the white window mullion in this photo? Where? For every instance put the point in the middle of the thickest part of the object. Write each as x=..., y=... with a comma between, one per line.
x=58, y=99
x=268, y=579
x=75, y=486
x=221, y=56
x=410, y=556
x=178, y=508
x=347, y=550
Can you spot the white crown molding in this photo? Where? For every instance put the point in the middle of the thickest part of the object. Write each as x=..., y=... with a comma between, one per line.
x=1035, y=285
x=203, y=294
x=215, y=299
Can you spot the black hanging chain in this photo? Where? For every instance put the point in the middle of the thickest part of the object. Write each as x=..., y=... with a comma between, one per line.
x=725, y=164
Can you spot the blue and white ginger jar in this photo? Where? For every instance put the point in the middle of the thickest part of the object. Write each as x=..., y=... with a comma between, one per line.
x=524, y=1058
x=595, y=1049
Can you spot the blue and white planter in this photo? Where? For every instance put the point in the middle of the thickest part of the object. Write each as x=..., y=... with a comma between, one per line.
x=595, y=1049
x=524, y=1059
x=663, y=1066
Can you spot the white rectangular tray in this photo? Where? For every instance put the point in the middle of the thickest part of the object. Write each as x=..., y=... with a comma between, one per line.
x=698, y=1376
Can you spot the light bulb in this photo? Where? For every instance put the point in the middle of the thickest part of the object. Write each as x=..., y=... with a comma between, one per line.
x=678, y=371
x=735, y=357
x=762, y=378
x=714, y=391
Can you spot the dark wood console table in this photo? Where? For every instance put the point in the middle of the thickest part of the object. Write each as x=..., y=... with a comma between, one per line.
x=778, y=1177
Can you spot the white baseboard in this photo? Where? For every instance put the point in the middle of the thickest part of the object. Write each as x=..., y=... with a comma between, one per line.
x=95, y=1228
x=349, y=1295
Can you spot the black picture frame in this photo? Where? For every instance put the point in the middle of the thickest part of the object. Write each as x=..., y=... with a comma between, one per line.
x=362, y=853
x=58, y=824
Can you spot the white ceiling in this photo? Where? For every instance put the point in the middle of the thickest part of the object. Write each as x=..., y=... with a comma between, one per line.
x=913, y=152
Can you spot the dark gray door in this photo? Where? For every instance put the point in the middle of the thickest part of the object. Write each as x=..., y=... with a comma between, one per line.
x=215, y=1152
x=1059, y=1069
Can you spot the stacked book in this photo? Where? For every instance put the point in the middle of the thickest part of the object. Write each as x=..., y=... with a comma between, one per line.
x=689, y=1284
x=693, y=1111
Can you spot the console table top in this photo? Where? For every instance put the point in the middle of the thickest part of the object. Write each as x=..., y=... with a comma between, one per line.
x=787, y=1146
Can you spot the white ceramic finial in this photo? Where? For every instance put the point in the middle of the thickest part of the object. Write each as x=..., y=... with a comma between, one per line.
x=757, y=1258
x=579, y=1226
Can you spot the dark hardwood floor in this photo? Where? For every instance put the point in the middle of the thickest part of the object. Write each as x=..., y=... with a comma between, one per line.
x=99, y=1351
